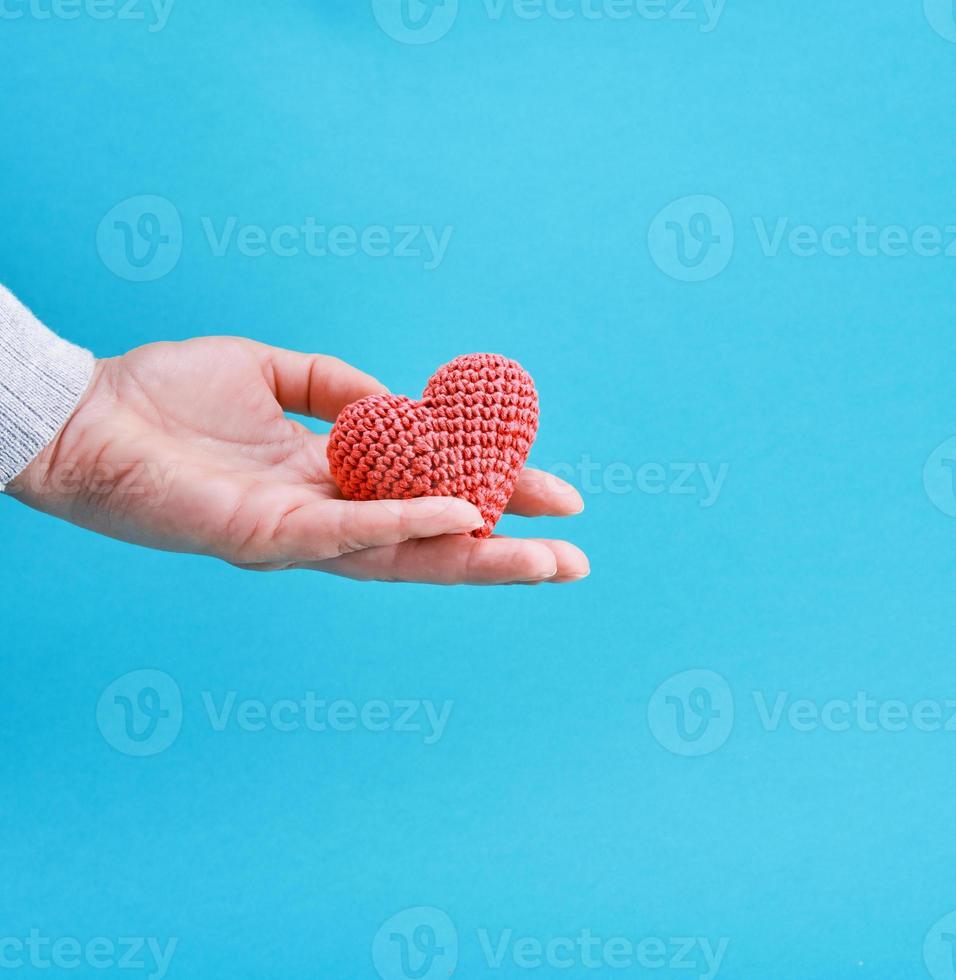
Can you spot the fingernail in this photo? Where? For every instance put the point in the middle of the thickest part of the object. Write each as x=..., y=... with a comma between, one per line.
x=452, y=506
x=568, y=579
x=472, y=524
x=373, y=382
x=543, y=576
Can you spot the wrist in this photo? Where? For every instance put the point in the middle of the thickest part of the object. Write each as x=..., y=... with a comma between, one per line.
x=55, y=473
x=42, y=379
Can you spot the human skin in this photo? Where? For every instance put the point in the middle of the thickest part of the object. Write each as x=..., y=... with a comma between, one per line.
x=186, y=447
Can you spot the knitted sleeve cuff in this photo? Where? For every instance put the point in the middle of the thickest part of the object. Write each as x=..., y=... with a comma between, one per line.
x=42, y=377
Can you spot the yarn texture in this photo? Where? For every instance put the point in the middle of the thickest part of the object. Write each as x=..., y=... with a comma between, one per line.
x=468, y=437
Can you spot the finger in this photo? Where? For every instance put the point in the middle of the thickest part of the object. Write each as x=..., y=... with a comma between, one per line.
x=572, y=562
x=315, y=384
x=540, y=494
x=452, y=560
x=325, y=529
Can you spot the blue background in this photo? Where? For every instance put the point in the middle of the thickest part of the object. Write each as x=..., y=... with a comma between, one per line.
x=548, y=806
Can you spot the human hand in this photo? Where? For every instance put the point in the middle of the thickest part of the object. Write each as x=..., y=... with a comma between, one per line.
x=186, y=447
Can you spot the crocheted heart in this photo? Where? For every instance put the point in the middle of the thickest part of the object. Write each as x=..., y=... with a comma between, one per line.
x=469, y=437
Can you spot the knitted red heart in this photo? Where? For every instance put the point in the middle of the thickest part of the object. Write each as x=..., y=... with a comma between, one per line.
x=468, y=437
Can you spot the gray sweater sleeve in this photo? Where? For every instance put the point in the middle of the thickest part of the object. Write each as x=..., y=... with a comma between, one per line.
x=42, y=377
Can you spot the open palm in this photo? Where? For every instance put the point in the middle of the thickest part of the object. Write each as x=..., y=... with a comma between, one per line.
x=187, y=447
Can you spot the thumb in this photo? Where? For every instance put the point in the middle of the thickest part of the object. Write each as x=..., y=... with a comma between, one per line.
x=331, y=528
x=314, y=384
